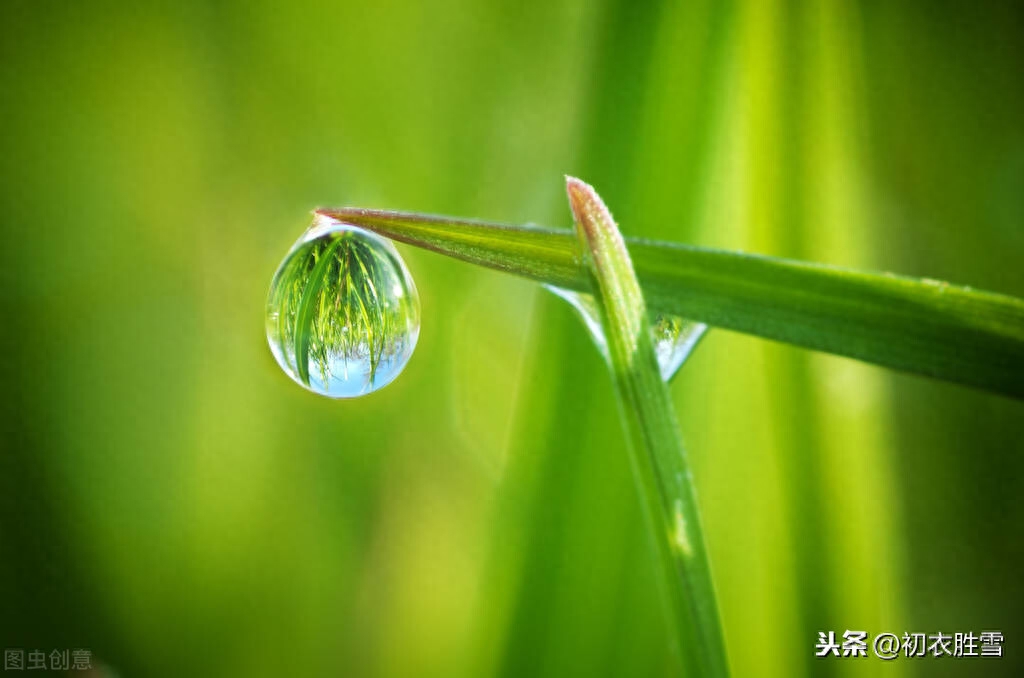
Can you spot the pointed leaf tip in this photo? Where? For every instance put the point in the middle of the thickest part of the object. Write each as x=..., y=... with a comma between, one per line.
x=588, y=209
x=612, y=274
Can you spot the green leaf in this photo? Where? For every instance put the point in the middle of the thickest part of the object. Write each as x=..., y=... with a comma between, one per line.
x=307, y=305
x=658, y=456
x=921, y=326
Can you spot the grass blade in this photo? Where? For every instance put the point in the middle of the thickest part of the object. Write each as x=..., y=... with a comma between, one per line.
x=925, y=327
x=658, y=457
x=307, y=305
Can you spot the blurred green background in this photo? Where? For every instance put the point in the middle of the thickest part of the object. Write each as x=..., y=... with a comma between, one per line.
x=172, y=501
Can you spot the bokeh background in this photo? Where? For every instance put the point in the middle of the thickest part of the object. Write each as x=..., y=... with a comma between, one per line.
x=172, y=501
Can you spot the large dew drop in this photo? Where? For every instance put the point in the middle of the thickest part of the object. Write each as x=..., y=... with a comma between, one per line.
x=343, y=314
x=674, y=337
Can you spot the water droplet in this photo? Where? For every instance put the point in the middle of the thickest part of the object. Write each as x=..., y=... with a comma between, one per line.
x=674, y=341
x=674, y=337
x=343, y=314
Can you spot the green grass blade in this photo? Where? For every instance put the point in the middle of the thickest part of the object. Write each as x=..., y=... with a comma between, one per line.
x=925, y=327
x=658, y=456
x=303, y=332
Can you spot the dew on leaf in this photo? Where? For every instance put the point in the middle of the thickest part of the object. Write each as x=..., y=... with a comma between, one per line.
x=674, y=337
x=674, y=341
x=343, y=314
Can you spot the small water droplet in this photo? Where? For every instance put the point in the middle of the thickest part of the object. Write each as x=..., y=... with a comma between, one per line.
x=343, y=314
x=674, y=337
x=674, y=341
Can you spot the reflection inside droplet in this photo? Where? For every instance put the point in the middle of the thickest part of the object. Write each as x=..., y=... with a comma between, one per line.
x=674, y=337
x=343, y=314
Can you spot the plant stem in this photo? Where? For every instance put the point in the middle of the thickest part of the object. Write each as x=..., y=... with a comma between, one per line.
x=921, y=326
x=657, y=453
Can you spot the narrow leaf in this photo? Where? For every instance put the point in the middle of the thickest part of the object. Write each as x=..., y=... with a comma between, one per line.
x=926, y=327
x=307, y=305
x=657, y=453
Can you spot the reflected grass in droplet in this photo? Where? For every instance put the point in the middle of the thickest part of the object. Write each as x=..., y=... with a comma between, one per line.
x=674, y=337
x=343, y=312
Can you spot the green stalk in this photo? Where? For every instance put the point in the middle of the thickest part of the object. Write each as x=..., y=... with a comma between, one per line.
x=657, y=454
x=921, y=326
x=307, y=306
